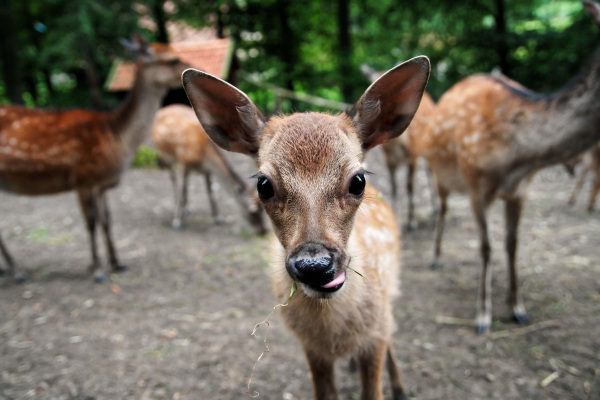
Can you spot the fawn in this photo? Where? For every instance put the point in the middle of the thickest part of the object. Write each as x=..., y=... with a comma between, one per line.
x=183, y=146
x=407, y=149
x=312, y=185
x=490, y=136
x=46, y=152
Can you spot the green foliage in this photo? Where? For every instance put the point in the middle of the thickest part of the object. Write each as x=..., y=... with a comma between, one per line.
x=145, y=157
x=296, y=44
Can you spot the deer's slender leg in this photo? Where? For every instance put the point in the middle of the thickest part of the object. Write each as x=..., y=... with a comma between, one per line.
x=323, y=379
x=393, y=185
x=595, y=190
x=439, y=228
x=211, y=198
x=181, y=195
x=483, y=320
x=395, y=376
x=104, y=214
x=432, y=197
x=580, y=179
x=513, y=209
x=410, y=181
x=12, y=268
x=89, y=208
x=173, y=178
x=370, y=365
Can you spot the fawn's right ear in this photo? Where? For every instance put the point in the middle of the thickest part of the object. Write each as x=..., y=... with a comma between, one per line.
x=227, y=115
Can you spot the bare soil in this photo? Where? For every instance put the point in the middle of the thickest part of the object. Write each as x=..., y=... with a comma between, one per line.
x=177, y=324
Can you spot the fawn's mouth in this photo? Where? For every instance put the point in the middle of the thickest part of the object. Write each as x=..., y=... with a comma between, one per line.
x=326, y=291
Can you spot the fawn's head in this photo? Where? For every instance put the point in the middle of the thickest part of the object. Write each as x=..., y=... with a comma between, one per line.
x=310, y=176
x=158, y=63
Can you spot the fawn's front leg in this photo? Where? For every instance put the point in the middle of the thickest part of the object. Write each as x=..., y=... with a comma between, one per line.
x=322, y=376
x=370, y=364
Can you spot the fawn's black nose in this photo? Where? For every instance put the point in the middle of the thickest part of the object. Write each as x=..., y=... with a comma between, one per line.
x=313, y=265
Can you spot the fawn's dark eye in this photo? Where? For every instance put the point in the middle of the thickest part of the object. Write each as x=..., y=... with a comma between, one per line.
x=265, y=188
x=357, y=185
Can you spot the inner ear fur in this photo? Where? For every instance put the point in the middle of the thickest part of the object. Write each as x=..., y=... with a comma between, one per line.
x=227, y=115
x=388, y=106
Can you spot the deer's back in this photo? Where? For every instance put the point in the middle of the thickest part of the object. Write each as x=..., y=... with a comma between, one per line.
x=51, y=151
x=179, y=137
x=362, y=311
x=475, y=126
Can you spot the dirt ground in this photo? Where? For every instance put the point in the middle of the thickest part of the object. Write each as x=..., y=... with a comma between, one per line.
x=177, y=324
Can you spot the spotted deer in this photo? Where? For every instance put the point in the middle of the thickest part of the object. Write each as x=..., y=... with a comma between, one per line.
x=326, y=220
x=46, y=152
x=490, y=136
x=590, y=162
x=407, y=149
x=183, y=146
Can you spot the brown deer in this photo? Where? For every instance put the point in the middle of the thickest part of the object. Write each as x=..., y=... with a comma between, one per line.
x=183, y=146
x=490, y=136
x=590, y=162
x=407, y=149
x=312, y=185
x=45, y=152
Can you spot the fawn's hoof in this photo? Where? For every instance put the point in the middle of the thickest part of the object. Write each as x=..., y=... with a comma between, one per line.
x=482, y=329
x=399, y=396
x=176, y=224
x=20, y=278
x=436, y=265
x=120, y=268
x=521, y=318
x=101, y=278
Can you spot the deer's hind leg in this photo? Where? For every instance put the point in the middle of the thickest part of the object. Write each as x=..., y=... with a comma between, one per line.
x=12, y=268
x=89, y=208
x=104, y=214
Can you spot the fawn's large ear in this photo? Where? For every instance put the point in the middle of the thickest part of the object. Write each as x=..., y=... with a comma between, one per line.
x=388, y=106
x=229, y=117
x=593, y=10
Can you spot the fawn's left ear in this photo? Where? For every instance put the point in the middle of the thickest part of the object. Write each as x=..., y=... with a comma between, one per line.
x=388, y=106
x=227, y=115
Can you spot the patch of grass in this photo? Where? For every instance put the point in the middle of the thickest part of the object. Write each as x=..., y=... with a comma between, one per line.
x=43, y=235
x=146, y=157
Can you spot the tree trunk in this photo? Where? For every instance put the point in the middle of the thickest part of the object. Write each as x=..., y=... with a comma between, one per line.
x=159, y=17
x=9, y=56
x=345, y=49
x=502, y=41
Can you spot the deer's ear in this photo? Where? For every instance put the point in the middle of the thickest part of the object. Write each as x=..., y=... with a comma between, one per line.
x=227, y=115
x=388, y=106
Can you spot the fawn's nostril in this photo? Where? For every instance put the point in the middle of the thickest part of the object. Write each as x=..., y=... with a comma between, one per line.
x=308, y=264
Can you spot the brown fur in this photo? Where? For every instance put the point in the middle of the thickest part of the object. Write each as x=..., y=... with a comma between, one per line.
x=489, y=137
x=310, y=160
x=183, y=146
x=45, y=152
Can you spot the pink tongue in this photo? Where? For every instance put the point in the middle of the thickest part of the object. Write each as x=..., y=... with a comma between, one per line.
x=341, y=278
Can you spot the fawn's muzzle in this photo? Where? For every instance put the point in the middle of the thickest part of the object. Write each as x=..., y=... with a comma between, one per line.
x=316, y=266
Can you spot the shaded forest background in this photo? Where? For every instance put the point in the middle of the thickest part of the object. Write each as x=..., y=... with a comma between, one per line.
x=58, y=53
